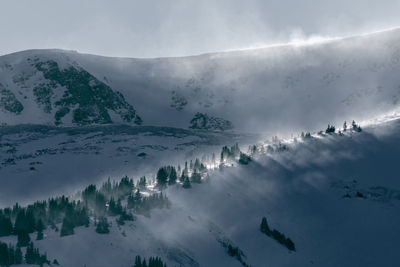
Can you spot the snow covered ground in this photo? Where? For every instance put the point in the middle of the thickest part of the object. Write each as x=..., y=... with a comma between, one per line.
x=37, y=162
x=337, y=197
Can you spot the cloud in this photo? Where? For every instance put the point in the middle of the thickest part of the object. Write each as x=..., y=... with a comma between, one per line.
x=173, y=28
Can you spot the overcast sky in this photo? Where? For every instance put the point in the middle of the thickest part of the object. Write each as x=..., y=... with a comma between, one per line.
x=150, y=28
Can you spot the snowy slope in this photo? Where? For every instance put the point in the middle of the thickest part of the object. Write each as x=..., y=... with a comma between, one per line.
x=277, y=89
x=308, y=192
x=37, y=162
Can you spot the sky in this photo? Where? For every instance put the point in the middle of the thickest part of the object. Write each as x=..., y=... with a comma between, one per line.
x=162, y=28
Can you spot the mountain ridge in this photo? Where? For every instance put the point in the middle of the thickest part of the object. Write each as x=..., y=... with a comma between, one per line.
x=329, y=82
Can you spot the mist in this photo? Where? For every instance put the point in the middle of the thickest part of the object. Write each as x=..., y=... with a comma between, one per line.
x=178, y=28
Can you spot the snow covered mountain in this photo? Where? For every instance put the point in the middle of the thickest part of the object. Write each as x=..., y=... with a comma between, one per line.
x=70, y=121
x=277, y=89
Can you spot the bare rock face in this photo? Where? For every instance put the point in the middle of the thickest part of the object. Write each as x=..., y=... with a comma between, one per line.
x=203, y=121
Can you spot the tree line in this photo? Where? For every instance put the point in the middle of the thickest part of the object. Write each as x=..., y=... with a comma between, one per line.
x=10, y=255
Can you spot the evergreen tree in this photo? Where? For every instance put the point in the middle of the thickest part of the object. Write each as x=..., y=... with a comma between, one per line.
x=186, y=183
x=20, y=222
x=244, y=159
x=142, y=182
x=6, y=226
x=18, y=256
x=275, y=234
x=289, y=244
x=156, y=262
x=355, y=127
x=114, y=208
x=67, y=227
x=235, y=151
x=197, y=165
x=344, y=126
x=39, y=235
x=40, y=228
x=330, y=129
x=125, y=187
x=264, y=226
x=106, y=188
x=162, y=177
x=32, y=256
x=100, y=204
x=138, y=261
x=4, y=255
x=89, y=195
x=196, y=177
x=172, y=176
x=102, y=226
x=253, y=150
x=23, y=238
x=153, y=262
x=191, y=165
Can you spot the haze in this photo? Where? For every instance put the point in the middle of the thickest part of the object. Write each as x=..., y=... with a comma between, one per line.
x=183, y=27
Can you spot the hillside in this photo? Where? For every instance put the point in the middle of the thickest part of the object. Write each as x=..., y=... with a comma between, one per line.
x=279, y=89
x=336, y=196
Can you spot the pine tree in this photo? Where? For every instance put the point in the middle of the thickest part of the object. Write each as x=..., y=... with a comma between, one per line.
x=162, y=177
x=138, y=261
x=244, y=159
x=172, y=176
x=264, y=226
x=23, y=238
x=6, y=226
x=106, y=188
x=89, y=195
x=355, y=127
x=196, y=177
x=186, y=183
x=111, y=207
x=142, y=182
x=100, y=204
x=102, y=226
x=30, y=254
x=289, y=244
x=197, y=164
x=20, y=222
x=4, y=255
x=67, y=227
x=39, y=235
x=40, y=228
x=253, y=150
x=156, y=262
x=18, y=256
x=330, y=129
x=344, y=126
